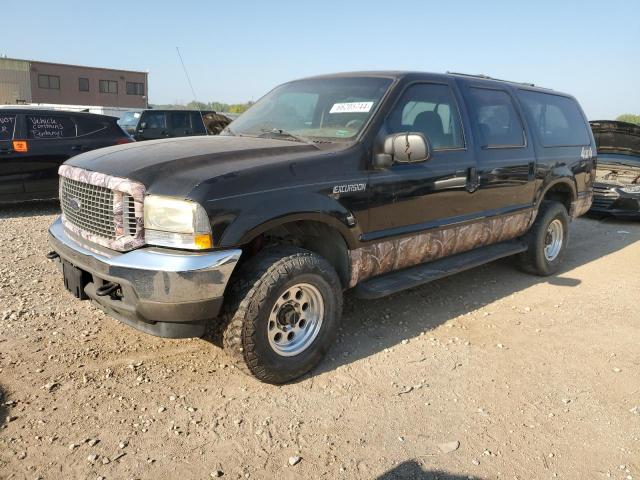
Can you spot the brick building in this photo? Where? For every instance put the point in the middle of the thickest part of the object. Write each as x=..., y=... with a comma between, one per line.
x=33, y=82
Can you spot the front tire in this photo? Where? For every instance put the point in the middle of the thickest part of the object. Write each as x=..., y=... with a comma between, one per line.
x=547, y=240
x=283, y=314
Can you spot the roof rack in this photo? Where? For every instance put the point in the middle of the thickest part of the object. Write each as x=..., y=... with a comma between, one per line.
x=487, y=77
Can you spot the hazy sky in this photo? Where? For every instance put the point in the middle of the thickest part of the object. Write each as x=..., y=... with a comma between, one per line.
x=237, y=50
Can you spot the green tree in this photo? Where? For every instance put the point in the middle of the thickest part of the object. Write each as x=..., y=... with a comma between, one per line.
x=629, y=117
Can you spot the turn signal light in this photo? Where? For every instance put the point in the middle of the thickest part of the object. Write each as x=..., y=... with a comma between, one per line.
x=20, y=146
x=203, y=241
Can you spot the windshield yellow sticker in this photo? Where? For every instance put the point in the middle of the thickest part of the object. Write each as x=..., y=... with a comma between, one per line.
x=351, y=107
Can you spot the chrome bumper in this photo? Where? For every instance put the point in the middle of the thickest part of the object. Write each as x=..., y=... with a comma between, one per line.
x=164, y=292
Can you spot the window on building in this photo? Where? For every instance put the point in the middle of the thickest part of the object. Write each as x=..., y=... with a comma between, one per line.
x=83, y=84
x=496, y=115
x=557, y=119
x=135, y=88
x=108, y=86
x=50, y=82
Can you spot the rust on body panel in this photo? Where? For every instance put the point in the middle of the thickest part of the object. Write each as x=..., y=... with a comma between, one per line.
x=581, y=205
x=390, y=255
x=119, y=187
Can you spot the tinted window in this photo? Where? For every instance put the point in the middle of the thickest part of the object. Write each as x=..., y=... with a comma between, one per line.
x=180, y=120
x=497, y=118
x=88, y=125
x=50, y=126
x=557, y=120
x=429, y=109
x=154, y=120
x=7, y=125
x=83, y=84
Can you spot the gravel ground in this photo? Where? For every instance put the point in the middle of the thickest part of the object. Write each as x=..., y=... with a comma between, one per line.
x=488, y=374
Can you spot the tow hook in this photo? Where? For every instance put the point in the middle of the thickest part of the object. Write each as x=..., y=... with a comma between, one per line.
x=107, y=289
x=52, y=255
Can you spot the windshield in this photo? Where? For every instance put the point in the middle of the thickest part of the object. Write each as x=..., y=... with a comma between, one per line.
x=327, y=108
x=129, y=119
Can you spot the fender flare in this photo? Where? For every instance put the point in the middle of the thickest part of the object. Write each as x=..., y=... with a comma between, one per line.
x=277, y=211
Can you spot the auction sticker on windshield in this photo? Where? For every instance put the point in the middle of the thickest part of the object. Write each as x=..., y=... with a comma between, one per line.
x=351, y=107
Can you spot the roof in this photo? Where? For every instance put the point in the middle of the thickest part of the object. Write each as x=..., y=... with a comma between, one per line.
x=398, y=74
x=26, y=110
x=73, y=65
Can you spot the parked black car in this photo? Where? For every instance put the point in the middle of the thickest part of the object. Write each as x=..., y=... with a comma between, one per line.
x=34, y=143
x=156, y=124
x=617, y=186
x=377, y=181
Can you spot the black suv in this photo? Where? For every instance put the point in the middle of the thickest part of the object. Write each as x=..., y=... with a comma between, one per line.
x=376, y=181
x=156, y=124
x=617, y=186
x=34, y=143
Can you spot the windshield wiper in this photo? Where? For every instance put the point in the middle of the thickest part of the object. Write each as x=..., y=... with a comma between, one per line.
x=283, y=133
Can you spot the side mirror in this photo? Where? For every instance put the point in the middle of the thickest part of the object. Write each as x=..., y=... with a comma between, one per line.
x=143, y=125
x=407, y=147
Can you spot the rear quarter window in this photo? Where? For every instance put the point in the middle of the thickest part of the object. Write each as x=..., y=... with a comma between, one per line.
x=556, y=119
x=50, y=127
x=7, y=126
x=87, y=125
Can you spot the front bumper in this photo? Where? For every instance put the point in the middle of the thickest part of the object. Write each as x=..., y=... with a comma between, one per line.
x=164, y=292
x=611, y=200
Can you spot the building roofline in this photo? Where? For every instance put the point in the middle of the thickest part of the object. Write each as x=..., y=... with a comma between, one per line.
x=74, y=65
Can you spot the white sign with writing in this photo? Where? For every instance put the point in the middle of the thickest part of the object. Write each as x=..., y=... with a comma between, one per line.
x=351, y=107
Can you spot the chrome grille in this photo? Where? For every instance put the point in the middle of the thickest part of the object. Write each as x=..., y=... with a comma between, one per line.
x=95, y=212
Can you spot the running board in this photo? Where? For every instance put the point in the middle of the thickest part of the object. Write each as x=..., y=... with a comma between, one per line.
x=411, y=277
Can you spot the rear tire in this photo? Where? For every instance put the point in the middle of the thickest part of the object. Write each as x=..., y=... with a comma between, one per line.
x=547, y=240
x=283, y=314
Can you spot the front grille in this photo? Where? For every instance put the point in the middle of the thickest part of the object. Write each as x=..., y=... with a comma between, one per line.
x=603, y=196
x=129, y=216
x=88, y=207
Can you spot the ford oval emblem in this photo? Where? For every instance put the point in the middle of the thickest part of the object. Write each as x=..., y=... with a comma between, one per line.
x=75, y=204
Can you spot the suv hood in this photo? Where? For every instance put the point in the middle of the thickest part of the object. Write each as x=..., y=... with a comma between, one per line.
x=176, y=166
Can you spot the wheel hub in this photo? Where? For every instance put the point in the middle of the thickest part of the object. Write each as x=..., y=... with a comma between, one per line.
x=553, y=240
x=295, y=319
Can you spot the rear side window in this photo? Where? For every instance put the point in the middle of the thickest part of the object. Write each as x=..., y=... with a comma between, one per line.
x=50, y=126
x=497, y=118
x=154, y=120
x=180, y=120
x=87, y=125
x=7, y=126
x=557, y=120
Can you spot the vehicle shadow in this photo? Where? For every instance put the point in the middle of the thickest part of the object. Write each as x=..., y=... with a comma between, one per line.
x=411, y=470
x=370, y=326
x=34, y=208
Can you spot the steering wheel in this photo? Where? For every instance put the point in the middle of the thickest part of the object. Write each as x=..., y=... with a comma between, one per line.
x=354, y=124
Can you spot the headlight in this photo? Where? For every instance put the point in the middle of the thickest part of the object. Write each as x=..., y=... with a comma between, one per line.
x=631, y=189
x=172, y=222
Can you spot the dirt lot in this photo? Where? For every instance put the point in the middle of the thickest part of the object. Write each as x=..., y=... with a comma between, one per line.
x=535, y=378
